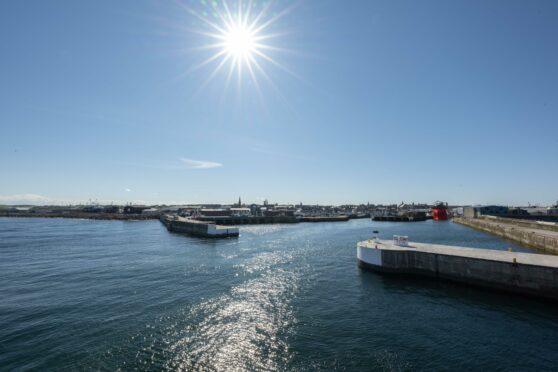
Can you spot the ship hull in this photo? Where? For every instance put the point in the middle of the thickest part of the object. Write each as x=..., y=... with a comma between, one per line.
x=439, y=214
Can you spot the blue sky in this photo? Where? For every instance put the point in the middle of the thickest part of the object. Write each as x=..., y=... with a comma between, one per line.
x=378, y=101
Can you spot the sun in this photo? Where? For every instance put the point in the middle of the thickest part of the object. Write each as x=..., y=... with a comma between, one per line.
x=240, y=37
x=240, y=42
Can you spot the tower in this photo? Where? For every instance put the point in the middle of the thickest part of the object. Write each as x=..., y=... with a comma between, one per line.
x=239, y=202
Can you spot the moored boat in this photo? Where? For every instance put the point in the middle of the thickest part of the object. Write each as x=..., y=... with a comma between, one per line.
x=440, y=211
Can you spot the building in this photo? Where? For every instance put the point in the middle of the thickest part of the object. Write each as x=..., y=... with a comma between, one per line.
x=215, y=212
x=536, y=211
x=8, y=209
x=151, y=211
x=133, y=209
x=240, y=212
x=485, y=210
x=279, y=212
x=517, y=212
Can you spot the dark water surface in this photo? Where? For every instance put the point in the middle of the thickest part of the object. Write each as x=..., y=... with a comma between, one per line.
x=108, y=295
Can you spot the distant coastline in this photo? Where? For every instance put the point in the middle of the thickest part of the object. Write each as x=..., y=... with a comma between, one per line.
x=83, y=215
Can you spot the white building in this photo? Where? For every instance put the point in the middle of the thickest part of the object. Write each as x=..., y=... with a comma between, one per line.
x=552, y=211
x=241, y=212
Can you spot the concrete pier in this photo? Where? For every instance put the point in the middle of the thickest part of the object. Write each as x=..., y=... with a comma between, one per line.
x=524, y=273
x=198, y=228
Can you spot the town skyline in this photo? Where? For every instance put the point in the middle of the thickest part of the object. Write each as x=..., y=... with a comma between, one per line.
x=38, y=200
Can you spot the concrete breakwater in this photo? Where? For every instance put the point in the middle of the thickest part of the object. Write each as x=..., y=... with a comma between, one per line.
x=198, y=228
x=524, y=273
x=542, y=236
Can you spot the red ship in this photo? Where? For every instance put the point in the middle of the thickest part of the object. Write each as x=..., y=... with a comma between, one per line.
x=440, y=211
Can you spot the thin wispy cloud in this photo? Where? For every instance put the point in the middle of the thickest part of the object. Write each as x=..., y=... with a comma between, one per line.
x=24, y=199
x=200, y=164
x=127, y=190
x=32, y=199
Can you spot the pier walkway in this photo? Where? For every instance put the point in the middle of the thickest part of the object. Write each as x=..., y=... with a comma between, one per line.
x=480, y=253
x=525, y=273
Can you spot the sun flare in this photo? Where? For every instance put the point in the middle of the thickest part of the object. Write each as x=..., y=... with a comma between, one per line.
x=241, y=39
x=239, y=42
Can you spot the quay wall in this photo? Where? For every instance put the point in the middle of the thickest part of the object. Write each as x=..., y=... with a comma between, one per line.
x=519, y=278
x=515, y=230
x=539, y=225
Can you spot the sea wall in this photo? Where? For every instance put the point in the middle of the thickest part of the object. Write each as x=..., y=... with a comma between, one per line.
x=522, y=232
x=520, y=278
x=532, y=224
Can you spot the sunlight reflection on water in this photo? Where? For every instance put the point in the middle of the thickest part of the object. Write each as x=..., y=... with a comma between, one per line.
x=264, y=229
x=244, y=329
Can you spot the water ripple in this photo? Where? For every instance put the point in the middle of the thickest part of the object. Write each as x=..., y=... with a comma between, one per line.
x=113, y=295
